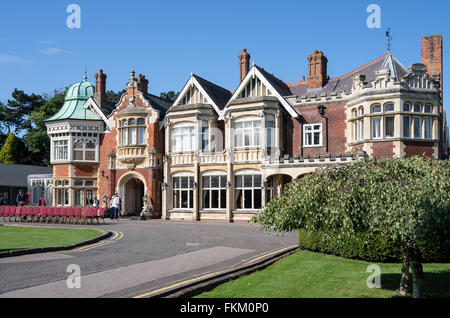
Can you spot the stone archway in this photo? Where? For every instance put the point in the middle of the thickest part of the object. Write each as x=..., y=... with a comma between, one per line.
x=131, y=188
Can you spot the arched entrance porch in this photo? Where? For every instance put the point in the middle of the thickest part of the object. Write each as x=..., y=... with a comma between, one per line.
x=132, y=188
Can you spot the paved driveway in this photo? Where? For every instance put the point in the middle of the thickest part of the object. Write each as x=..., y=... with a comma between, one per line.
x=140, y=257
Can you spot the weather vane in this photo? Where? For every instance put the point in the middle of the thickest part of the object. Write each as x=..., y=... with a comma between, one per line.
x=389, y=38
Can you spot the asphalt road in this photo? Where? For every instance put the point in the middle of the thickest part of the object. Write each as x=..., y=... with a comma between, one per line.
x=140, y=257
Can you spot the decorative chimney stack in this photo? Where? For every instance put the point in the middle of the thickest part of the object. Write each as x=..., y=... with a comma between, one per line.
x=100, y=88
x=317, y=70
x=244, y=64
x=431, y=52
x=142, y=83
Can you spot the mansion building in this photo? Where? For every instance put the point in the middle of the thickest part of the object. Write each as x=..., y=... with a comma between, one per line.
x=216, y=154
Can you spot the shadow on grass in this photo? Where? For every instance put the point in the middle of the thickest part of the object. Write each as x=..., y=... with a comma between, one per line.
x=436, y=284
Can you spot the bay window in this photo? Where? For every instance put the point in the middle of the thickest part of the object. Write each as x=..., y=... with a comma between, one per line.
x=428, y=122
x=132, y=131
x=270, y=133
x=406, y=126
x=205, y=135
x=183, y=138
x=60, y=150
x=83, y=150
x=389, y=126
x=417, y=127
x=376, y=127
x=247, y=133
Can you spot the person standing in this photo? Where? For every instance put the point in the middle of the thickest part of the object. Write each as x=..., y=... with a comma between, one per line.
x=96, y=202
x=115, y=205
x=21, y=198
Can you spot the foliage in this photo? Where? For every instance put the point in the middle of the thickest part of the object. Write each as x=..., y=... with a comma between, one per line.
x=377, y=249
x=169, y=96
x=114, y=97
x=404, y=200
x=13, y=151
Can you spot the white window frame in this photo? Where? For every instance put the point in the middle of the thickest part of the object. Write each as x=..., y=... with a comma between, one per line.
x=372, y=127
x=182, y=132
x=180, y=189
x=253, y=131
x=244, y=188
x=57, y=153
x=222, y=197
x=312, y=132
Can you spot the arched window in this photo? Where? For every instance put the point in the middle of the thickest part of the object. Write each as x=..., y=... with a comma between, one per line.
x=375, y=108
x=389, y=107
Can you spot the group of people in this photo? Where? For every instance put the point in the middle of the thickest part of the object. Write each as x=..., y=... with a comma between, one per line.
x=115, y=204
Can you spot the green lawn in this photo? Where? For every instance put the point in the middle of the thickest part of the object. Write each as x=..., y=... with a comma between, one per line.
x=308, y=274
x=15, y=237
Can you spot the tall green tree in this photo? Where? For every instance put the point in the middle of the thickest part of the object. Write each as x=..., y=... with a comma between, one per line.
x=35, y=137
x=404, y=200
x=14, y=151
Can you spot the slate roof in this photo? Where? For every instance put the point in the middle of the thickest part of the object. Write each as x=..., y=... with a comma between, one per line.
x=276, y=83
x=219, y=95
x=16, y=175
x=344, y=83
x=158, y=103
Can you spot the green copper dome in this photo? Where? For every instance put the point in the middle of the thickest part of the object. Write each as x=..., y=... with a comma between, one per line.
x=76, y=97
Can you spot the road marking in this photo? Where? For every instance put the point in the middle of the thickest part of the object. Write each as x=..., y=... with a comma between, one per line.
x=268, y=254
x=117, y=236
x=178, y=284
x=197, y=278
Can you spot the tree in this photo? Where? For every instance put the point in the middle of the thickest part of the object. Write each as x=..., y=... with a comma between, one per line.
x=35, y=137
x=169, y=96
x=13, y=151
x=405, y=200
x=113, y=96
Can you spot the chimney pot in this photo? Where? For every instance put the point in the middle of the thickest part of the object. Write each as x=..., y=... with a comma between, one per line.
x=244, y=64
x=317, y=70
x=100, y=88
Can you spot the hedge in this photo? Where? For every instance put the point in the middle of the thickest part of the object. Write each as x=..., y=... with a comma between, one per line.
x=375, y=249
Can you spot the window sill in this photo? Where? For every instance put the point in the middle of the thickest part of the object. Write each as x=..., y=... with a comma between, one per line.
x=313, y=146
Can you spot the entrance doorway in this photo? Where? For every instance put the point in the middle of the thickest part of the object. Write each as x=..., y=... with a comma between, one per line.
x=133, y=194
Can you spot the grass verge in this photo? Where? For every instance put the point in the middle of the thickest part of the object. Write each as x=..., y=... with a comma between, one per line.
x=16, y=238
x=307, y=274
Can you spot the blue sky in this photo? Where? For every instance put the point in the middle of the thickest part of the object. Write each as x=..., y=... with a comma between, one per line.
x=167, y=40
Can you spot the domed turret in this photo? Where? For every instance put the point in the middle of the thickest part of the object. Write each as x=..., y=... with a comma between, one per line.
x=76, y=97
